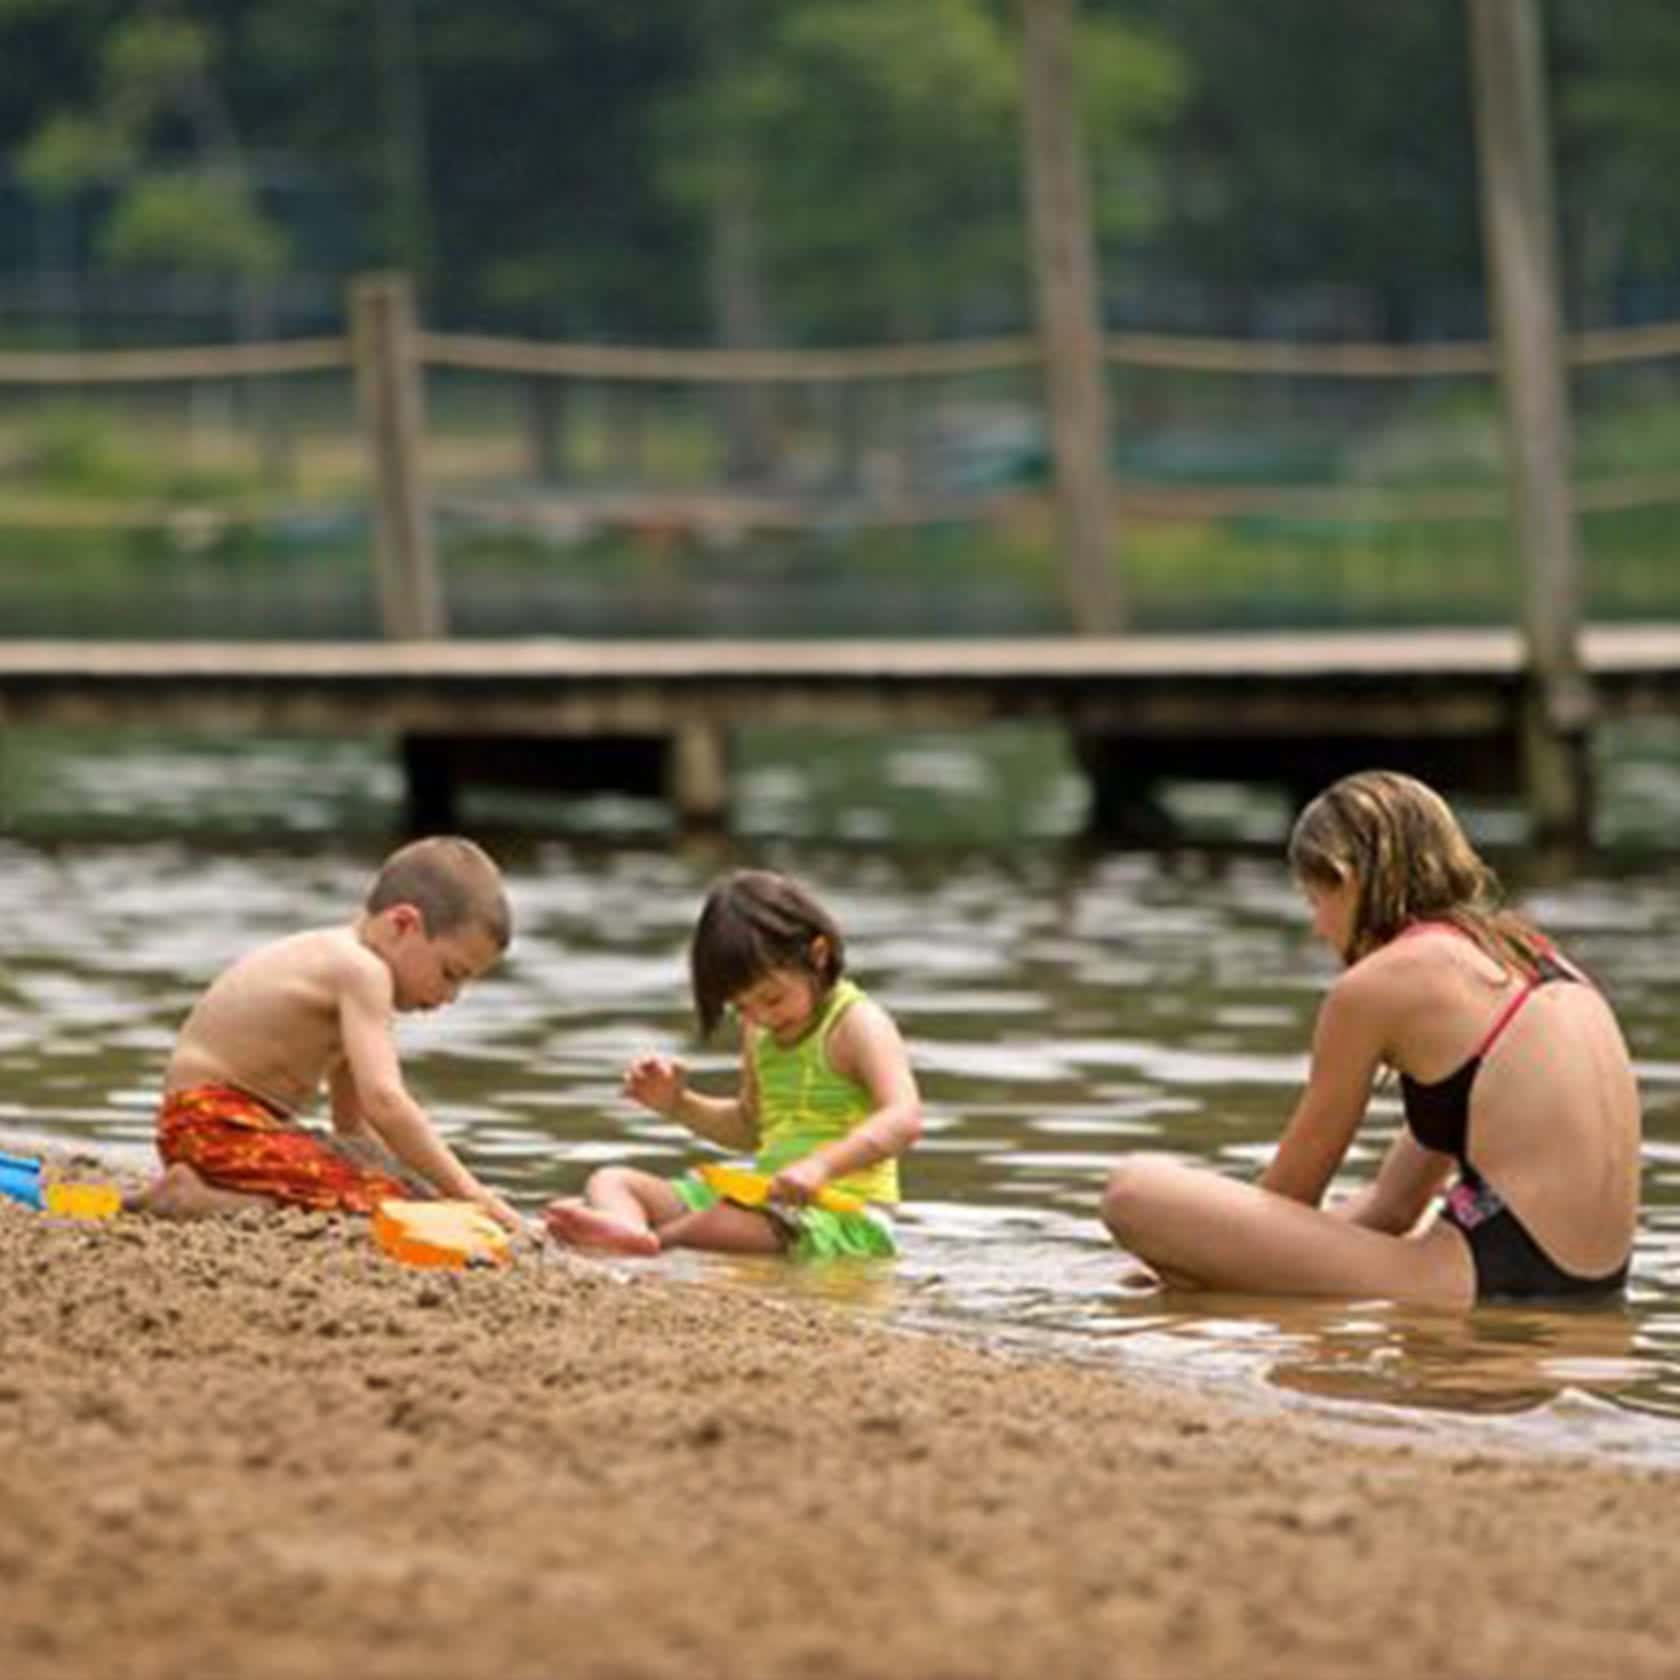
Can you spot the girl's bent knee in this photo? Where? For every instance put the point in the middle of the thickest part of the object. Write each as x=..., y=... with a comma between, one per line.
x=1134, y=1189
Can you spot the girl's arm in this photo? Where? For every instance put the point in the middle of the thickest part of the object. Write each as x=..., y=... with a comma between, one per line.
x=661, y=1083
x=1395, y=1199
x=865, y=1046
x=1347, y=1049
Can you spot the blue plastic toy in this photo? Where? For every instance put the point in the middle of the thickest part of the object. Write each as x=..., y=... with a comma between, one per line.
x=20, y=1178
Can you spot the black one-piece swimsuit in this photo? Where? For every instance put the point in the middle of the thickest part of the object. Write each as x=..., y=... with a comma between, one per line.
x=1510, y=1264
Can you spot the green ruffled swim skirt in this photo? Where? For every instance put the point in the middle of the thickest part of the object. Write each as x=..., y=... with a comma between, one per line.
x=813, y=1233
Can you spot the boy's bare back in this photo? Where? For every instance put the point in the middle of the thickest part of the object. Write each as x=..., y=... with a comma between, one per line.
x=270, y=1023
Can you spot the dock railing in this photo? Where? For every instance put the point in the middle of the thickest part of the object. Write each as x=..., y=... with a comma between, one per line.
x=1365, y=457
x=1392, y=450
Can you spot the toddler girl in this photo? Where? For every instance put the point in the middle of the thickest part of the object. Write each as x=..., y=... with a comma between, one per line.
x=826, y=1099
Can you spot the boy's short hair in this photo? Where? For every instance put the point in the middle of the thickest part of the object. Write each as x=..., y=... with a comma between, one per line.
x=451, y=881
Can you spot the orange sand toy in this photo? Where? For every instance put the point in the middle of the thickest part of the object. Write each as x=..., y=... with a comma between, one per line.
x=453, y=1234
x=752, y=1189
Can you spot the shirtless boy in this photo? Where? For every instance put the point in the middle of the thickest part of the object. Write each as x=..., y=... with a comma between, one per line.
x=318, y=1008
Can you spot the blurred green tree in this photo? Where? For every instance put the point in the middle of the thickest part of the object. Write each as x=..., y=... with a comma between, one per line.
x=879, y=148
x=1619, y=127
x=505, y=156
x=1323, y=146
x=825, y=170
x=158, y=131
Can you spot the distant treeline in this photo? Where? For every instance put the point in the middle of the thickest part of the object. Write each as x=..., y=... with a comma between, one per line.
x=804, y=172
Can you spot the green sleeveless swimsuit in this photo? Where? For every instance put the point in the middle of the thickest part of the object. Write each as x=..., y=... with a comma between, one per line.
x=802, y=1104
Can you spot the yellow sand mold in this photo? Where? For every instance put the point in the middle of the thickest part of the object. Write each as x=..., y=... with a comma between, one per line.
x=82, y=1201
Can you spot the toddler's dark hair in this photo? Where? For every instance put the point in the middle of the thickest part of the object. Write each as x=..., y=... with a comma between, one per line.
x=753, y=921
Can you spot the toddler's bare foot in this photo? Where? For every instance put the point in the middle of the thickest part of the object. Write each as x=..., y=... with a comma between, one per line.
x=179, y=1193
x=582, y=1226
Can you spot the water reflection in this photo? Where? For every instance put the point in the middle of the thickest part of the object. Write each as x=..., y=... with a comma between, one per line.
x=1063, y=1004
x=1494, y=1360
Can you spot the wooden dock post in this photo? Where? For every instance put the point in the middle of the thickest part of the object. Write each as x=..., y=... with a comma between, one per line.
x=390, y=396
x=430, y=784
x=389, y=391
x=1070, y=315
x=1519, y=235
x=697, y=772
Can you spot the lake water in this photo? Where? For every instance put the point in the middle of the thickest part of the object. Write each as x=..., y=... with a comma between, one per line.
x=1064, y=1004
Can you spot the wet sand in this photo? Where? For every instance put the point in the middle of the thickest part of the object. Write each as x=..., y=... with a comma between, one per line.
x=258, y=1450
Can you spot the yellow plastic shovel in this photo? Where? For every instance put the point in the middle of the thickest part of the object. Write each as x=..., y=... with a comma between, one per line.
x=752, y=1189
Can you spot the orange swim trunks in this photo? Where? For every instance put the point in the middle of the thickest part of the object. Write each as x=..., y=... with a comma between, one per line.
x=237, y=1142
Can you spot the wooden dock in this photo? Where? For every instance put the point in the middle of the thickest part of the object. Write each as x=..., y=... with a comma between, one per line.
x=657, y=717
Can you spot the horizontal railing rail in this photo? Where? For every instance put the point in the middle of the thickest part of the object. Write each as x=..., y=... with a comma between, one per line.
x=489, y=354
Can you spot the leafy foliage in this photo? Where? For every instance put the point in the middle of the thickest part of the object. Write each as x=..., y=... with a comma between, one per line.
x=157, y=129
x=556, y=166
x=200, y=222
x=883, y=143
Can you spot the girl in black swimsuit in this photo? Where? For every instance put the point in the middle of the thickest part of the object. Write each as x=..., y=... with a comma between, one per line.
x=1383, y=862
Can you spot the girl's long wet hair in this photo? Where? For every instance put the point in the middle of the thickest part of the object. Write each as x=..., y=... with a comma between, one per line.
x=1400, y=844
x=754, y=921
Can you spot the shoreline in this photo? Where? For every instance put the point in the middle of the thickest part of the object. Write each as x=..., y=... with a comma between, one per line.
x=257, y=1448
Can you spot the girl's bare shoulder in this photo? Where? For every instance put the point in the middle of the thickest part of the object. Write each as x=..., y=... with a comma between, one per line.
x=1429, y=964
x=864, y=1029
x=863, y=1016
x=1401, y=964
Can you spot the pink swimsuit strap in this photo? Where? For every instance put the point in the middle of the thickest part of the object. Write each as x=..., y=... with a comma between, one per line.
x=1505, y=1016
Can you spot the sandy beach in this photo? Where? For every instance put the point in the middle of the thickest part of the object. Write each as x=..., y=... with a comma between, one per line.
x=259, y=1449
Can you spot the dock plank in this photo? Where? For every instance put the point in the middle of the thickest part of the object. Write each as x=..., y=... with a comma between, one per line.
x=1607, y=650
x=1290, y=708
